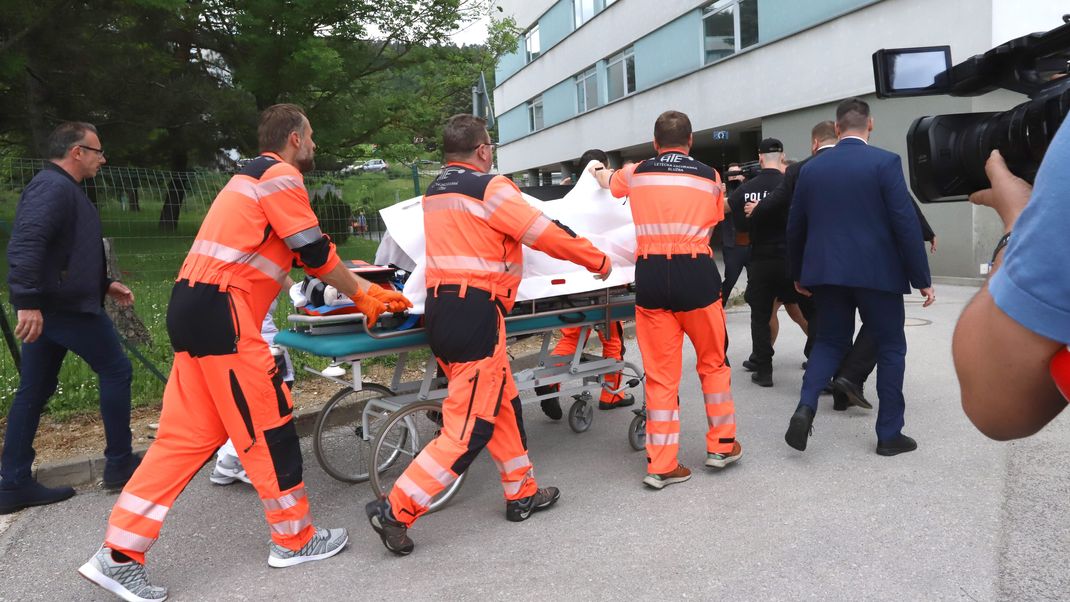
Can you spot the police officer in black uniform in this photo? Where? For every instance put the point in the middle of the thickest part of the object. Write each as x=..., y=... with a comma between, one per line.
x=767, y=275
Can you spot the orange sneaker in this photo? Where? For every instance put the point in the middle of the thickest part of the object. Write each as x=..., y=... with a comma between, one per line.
x=722, y=460
x=676, y=475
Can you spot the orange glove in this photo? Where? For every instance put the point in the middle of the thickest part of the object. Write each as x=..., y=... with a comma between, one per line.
x=395, y=301
x=369, y=306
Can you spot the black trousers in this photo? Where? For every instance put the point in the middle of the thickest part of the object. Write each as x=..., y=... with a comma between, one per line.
x=861, y=359
x=735, y=259
x=767, y=281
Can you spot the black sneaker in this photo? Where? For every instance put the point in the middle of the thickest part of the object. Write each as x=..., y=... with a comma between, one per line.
x=762, y=379
x=393, y=533
x=520, y=510
x=550, y=406
x=116, y=475
x=750, y=366
x=31, y=493
x=626, y=400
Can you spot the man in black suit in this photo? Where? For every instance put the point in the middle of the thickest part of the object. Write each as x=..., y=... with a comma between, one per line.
x=854, y=244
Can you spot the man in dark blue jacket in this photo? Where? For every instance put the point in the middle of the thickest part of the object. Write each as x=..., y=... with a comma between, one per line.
x=854, y=240
x=57, y=280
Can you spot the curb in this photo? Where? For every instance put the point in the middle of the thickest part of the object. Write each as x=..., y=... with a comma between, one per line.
x=89, y=470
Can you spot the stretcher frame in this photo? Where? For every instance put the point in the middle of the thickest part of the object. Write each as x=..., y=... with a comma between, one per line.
x=581, y=377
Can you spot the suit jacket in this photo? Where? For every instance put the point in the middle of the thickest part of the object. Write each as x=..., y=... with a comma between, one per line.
x=853, y=223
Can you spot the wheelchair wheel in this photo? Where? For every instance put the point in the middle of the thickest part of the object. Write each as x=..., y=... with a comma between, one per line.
x=403, y=435
x=581, y=414
x=637, y=432
x=342, y=445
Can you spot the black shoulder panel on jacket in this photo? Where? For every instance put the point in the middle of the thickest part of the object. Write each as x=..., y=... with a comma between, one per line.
x=257, y=167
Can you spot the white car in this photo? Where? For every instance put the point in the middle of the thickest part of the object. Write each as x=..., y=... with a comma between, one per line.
x=374, y=165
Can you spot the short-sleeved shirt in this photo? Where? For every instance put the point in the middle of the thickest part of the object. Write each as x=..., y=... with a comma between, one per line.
x=1033, y=284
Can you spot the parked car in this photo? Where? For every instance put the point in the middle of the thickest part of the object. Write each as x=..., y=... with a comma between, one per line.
x=374, y=165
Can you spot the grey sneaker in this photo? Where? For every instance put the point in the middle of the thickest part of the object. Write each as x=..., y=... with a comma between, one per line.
x=228, y=469
x=324, y=544
x=128, y=580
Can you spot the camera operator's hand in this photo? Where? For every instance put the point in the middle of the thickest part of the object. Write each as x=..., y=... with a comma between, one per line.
x=1009, y=193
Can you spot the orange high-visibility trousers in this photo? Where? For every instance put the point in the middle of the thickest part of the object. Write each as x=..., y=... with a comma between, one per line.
x=612, y=348
x=660, y=334
x=208, y=399
x=481, y=409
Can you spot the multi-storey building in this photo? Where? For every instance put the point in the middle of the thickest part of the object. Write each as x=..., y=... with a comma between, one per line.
x=596, y=73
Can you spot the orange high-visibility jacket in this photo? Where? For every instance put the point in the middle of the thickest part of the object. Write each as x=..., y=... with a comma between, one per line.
x=475, y=224
x=257, y=226
x=675, y=200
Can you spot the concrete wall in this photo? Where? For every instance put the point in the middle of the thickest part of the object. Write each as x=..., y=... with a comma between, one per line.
x=556, y=24
x=559, y=103
x=778, y=18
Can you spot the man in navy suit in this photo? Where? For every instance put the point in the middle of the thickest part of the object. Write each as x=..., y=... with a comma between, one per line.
x=854, y=243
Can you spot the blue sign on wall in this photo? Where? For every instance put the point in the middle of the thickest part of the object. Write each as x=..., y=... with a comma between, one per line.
x=720, y=134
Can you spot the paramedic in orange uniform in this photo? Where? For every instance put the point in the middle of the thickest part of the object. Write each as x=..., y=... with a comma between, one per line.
x=612, y=344
x=475, y=225
x=676, y=201
x=224, y=381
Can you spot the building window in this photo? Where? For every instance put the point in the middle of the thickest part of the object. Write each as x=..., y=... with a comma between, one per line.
x=584, y=10
x=531, y=44
x=535, y=114
x=586, y=91
x=729, y=26
x=620, y=74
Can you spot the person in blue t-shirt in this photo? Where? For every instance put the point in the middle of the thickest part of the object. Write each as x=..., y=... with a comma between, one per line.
x=1007, y=336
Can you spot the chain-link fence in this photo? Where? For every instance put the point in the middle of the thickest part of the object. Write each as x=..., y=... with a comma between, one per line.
x=150, y=218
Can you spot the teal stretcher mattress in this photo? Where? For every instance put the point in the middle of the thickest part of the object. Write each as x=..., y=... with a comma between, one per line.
x=361, y=344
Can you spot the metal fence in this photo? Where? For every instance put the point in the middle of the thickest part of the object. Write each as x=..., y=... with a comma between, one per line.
x=151, y=217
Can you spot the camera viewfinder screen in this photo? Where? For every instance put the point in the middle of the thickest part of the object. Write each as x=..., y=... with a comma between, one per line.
x=917, y=70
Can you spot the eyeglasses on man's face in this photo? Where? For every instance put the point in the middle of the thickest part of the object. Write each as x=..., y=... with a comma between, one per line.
x=90, y=148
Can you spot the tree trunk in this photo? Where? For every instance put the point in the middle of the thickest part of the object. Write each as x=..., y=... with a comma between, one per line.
x=127, y=323
x=177, y=185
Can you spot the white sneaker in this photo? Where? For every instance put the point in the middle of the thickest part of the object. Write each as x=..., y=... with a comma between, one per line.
x=228, y=469
x=324, y=544
x=128, y=580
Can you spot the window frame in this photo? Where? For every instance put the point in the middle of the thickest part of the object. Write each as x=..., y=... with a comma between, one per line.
x=626, y=57
x=529, y=35
x=534, y=106
x=580, y=81
x=716, y=8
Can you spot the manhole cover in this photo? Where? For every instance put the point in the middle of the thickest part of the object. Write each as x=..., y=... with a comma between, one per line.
x=917, y=322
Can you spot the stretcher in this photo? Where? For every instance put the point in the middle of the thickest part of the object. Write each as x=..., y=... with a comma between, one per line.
x=369, y=431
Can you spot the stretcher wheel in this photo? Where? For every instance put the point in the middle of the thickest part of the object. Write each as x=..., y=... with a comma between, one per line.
x=637, y=432
x=404, y=434
x=581, y=414
x=344, y=432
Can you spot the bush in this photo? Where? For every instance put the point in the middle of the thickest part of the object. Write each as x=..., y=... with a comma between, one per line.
x=334, y=215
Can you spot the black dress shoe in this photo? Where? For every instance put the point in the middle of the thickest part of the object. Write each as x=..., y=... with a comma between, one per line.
x=800, y=427
x=852, y=391
x=550, y=406
x=839, y=402
x=626, y=400
x=901, y=444
x=31, y=493
x=762, y=379
x=117, y=474
x=750, y=366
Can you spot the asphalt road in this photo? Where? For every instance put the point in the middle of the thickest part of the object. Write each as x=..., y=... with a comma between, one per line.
x=962, y=518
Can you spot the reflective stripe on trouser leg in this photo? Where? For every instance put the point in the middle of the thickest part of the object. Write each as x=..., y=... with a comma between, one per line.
x=612, y=348
x=660, y=338
x=468, y=424
x=508, y=447
x=706, y=329
x=189, y=433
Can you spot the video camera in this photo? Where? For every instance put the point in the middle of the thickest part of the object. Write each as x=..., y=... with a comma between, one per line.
x=947, y=153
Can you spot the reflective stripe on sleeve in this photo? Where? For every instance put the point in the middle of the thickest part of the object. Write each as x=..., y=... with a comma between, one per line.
x=539, y=226
x=122, y=539
x=291, y=527
x=142, y=507
x=498, y=198
x=435, y=470
x=304, y=237
x=284, y=502
x=649, y=179
x=231, y=255
x=243, y=186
